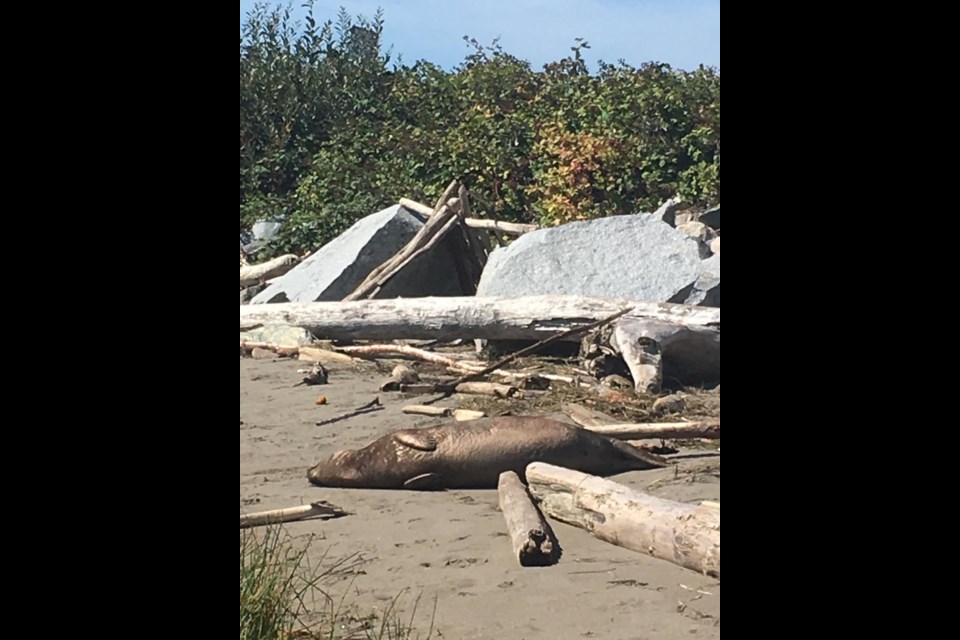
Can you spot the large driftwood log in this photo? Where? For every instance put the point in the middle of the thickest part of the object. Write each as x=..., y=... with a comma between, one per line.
x=648, y=346
x=466, y=317
x=402, y=350
x=533, y=541
x=254, y=273
x=663, y=430
x=685, y=534
x=317, y=509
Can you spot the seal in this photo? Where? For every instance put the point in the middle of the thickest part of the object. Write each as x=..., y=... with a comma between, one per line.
x=471, y=455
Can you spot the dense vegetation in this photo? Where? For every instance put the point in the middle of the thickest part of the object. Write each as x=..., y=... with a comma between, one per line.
x=331, y=129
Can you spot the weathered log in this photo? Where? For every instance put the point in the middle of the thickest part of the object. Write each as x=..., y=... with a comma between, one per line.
x=375, y=350
x=685, y=534
x=462, y=415
x=517, y=378
x=664, y=430
x=254, y=273
x=321, y=509
x=509, y=228
x=531, y=535
x=475, y=388
x=280, y=349
x=488, y=389
x=648, y=346
x=315, y=354
x=464, y=317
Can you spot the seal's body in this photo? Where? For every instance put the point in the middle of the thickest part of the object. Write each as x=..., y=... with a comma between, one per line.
x=473, y=454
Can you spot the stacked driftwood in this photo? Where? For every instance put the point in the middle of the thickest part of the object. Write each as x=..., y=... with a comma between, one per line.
x=448, y=219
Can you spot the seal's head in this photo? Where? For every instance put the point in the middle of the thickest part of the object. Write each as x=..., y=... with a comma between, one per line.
x=335, y=471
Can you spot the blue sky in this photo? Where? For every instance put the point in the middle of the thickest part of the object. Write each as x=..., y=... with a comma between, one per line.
x=681, y=33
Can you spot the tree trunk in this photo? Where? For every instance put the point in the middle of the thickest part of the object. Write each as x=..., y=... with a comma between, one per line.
x=685, y=534
x=450, y=318
x=533, y=541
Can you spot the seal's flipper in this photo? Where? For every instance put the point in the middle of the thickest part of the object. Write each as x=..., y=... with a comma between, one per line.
x=424, y=482
x=416, y=440
x=645, y=459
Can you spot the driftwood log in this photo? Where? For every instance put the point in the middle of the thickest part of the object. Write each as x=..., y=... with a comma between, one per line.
x=509, y=228
x=685, y=534
x=401, y=350
x=316, y=354
x=473, y=388
x=321, y=509
x=533, y=541
x=608, y=426
x=664, y=430
x=254, y=273
x=465, y=317
x=649, y=346
x=279, y=349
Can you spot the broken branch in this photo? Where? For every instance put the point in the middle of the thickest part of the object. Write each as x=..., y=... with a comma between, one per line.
x=531, y=535
x=320, y=509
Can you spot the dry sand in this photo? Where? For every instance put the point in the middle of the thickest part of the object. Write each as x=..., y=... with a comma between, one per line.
x=452, y=545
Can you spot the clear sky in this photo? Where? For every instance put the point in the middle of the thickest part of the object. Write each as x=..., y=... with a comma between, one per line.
x=681, y=33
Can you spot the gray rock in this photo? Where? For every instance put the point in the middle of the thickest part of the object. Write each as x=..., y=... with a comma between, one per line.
x=667, y=211
x=715, y=246
x=636, y=257
x=247, y=293
x=673, y=403
x=338, y=267
x=264, y=230
x=700, y=232
x=706, y=290
x=711, y=218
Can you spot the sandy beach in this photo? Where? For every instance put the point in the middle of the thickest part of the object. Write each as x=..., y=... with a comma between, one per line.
x=452, y=546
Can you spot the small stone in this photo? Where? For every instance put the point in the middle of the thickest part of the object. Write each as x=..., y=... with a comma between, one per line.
x=404, y=374
x=670, y=404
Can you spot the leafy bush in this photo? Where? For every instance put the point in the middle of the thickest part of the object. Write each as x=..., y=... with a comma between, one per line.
x=331, y=130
